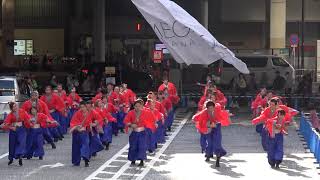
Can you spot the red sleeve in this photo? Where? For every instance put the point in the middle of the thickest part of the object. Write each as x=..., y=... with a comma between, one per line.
x=8, y=121
x=26, y=106
x=262, y=118
x=58, y=103
x=42, y=119
x=158, y=115
x=161, y=87
x=98, y=96
x=25, y=118
x=132, y=96
x=255, y=103
x=149, y=120
x=173, y=89
x=269, y=124
x=222, y=115
x=112, y=109
x=200, y=120
x=290, y=112
x=201, y=103
x=161, y=108
x=76, y=119
x=168, y=104
x=129, y=118
x=97, y=117
x=221, y=99
x=110, y=117
x=45, y=109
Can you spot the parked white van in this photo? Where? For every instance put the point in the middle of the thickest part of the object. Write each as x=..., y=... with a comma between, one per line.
x=263, y=66
x=9, y=91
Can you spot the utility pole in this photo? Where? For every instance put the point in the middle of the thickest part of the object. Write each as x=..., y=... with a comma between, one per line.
x=302, y=34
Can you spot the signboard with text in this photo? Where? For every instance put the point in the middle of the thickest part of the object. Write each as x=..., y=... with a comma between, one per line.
x=23, y=47
x=157, y=56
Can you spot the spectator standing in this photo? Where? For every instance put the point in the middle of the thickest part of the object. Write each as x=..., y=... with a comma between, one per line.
x=279, y=82
x=34, y=83
x=252, y=85
x=241, y=84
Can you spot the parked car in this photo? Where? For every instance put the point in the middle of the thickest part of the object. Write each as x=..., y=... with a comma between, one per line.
x=10, y=91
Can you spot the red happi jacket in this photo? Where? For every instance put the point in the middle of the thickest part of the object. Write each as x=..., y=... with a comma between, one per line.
x=105, y=114
x=111, y=108
x=167, y=104
x=74, y=100
x=81, y=118
x=220, y=98
x=271, y=125
x=146, y=119
x=158, y=106
x=268, y=114
x=41, y=107
x=220, y=116
x=43, y=120
x=129, y=96
x=203, y=99
x=56, y=103
x=257, y=102
x=12, y=118
x=156, y=113
x=95, y=116
x=172, y=90
x=98, y=96
x=64, y=97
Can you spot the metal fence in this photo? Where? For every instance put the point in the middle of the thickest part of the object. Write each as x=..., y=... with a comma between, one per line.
x=311, y=136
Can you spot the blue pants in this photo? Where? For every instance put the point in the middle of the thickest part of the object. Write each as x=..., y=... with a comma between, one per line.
x=160, y=133
x=95, y=143
x=259, y=128
x=203, y=142
x=17, y=143
x=47, y=135
x=264, y=139
x=56, y=132
x=80, y=147
x=137, y=146
x=151, y=140
x=35, y=143
x=106, y=137
x=115, y=128
x=275, y=149
x=214, y=139
x=169, y=119
x=63, y=125
x=120, y=117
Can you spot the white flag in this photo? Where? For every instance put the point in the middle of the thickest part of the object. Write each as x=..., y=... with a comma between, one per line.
x=186, y=39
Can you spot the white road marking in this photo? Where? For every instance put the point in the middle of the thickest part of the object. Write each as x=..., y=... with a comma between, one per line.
x=51, y=166
x=106, y=164
x=126, y=166
x=4, y=155
x=161, y=151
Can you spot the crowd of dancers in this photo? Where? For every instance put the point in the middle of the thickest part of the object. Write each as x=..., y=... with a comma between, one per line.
x=93, y=123
x=271, y=117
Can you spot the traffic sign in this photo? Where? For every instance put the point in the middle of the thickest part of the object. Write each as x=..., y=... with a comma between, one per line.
x=294, y=39
x=157, y=56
